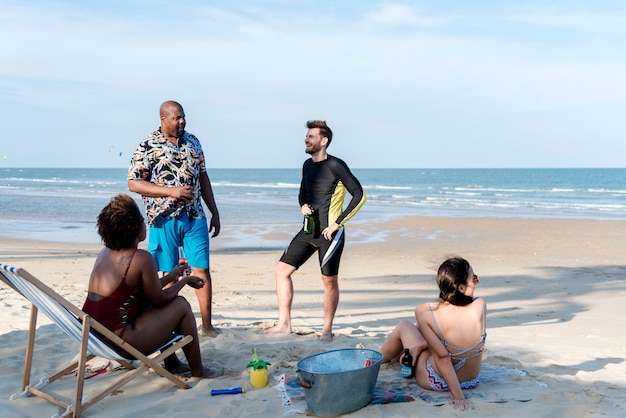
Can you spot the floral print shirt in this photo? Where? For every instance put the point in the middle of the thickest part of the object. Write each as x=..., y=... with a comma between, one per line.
x=159, y=161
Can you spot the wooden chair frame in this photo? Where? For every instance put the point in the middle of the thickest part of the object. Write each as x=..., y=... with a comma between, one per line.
x=80, y=326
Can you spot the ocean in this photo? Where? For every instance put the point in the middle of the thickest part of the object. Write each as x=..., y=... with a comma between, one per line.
x=61, y=204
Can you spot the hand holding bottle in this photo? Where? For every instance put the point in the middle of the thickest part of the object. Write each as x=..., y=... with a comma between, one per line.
x=309, y=220
x=182, y=260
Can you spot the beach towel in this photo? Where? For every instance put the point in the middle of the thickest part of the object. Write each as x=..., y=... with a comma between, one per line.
x=497, y=385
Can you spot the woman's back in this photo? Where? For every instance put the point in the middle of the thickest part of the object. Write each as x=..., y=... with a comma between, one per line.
x=110, y=299
x=460, y=330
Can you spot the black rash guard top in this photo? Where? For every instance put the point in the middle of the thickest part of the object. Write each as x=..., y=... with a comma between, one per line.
x=324, y=186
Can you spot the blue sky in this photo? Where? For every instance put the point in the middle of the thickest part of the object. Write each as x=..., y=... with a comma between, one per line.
x=433, y=84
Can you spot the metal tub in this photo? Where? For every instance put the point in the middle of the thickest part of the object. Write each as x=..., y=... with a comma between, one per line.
x=339, y=381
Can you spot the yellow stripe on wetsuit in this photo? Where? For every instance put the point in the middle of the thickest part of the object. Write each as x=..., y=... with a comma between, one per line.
x=336, y=205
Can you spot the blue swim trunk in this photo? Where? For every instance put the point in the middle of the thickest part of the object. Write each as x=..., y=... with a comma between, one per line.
x=167, y=234
x=439, y=384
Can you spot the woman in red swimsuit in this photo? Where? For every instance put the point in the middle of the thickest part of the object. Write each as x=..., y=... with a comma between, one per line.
x=126, y=294
x=448, y=340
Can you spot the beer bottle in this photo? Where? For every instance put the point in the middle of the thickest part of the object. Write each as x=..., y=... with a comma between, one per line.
x=407, y=365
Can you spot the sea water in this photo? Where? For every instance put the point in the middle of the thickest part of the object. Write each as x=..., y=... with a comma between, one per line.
x=61, y=204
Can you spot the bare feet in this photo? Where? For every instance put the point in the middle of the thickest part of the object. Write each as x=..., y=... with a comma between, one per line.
x=326, y=337
x=359, y=345
x=277, y=329
x=208, y=373
x=211, y=332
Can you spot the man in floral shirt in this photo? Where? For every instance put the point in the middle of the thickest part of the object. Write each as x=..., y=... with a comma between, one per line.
x=168, y=170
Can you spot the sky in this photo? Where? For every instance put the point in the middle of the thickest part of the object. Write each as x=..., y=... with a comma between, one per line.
x=402, y=84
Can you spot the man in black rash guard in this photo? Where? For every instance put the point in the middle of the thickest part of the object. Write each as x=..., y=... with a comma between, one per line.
x=325, y=180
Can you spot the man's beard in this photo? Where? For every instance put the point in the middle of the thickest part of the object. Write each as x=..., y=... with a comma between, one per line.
x=312, y=150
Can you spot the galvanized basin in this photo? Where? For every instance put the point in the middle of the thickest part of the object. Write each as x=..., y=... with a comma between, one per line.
x=339, y=381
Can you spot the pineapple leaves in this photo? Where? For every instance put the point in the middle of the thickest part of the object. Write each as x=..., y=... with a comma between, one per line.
x=256, y=364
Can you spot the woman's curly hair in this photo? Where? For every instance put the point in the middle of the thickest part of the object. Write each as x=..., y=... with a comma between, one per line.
x=120, y=222
x=451, y=274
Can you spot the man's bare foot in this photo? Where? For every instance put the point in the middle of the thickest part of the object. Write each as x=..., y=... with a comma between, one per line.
x=208, y=373
x=211, y=332
x=359, y=345
x=277, y=329
x=326, y=337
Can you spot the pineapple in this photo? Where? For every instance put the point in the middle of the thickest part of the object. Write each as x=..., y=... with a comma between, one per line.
x=258, y=374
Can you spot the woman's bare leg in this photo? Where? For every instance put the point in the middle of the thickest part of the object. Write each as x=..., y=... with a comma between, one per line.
x=155, y=326
x=404, y=335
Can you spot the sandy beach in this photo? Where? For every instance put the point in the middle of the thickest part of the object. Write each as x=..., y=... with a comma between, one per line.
x=555, y=291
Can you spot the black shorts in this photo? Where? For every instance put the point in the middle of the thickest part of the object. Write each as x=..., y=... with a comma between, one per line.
x=303, y=246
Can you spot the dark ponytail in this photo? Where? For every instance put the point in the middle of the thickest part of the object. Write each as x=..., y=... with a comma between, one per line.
x=451, y=274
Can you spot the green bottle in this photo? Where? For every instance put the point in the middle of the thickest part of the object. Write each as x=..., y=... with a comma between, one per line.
x=309, y=223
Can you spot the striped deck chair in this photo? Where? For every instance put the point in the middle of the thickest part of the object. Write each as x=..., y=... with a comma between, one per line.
x=80, y=326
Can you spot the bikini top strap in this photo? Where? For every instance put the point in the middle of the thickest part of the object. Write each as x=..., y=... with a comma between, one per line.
x=128, y=267
x=445, y=344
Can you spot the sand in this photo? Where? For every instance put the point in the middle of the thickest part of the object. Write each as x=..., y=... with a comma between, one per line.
x=555, y=291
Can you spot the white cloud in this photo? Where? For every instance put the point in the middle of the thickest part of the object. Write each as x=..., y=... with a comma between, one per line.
x=402, y=14
x=252, y=72
x=590, y=21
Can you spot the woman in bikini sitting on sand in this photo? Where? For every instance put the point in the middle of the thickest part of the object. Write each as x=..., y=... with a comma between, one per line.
x=127, y=296
x=448, y=341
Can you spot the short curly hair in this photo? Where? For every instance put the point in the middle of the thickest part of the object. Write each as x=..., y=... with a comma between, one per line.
x=120, y=222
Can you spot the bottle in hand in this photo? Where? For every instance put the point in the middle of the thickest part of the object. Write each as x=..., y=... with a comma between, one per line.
x=182, y=259
x=408, y=371
x=309, y=222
